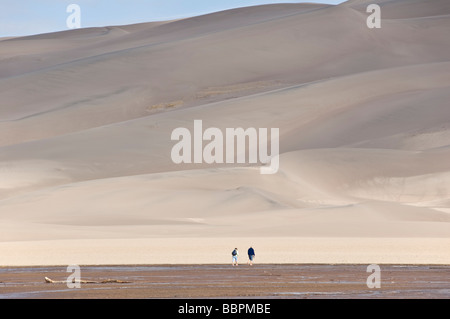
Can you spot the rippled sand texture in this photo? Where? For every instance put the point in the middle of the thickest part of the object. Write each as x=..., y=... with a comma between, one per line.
x=266, y=281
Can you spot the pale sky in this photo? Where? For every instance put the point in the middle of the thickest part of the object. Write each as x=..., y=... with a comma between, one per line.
x=26, y=17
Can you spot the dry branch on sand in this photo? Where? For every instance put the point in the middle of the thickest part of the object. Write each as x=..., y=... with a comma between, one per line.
x=106, y=281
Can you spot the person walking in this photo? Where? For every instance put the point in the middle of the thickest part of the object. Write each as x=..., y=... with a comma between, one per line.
x=251, y=256
x=234, y=254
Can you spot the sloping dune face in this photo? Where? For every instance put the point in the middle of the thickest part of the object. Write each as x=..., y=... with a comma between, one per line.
x=363, y=114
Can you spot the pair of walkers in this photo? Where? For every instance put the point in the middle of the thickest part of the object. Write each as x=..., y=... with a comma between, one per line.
x=235, y=254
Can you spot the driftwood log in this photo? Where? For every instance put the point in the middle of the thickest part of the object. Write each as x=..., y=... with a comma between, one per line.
x=107, y=281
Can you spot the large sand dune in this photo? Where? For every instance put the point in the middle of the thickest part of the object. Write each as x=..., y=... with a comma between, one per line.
x=86, y=118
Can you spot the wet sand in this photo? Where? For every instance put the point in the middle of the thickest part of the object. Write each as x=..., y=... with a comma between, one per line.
x=265, y=281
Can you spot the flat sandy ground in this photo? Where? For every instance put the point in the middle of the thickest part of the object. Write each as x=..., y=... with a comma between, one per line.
x=288, y=281
x=217, y=250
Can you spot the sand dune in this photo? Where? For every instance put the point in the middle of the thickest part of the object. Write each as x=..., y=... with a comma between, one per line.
x=363, y=114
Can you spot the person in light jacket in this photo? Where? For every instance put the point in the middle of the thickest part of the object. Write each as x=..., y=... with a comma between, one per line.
x=234, y=260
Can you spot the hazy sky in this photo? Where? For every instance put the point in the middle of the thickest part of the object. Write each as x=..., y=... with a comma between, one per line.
x=25, y=17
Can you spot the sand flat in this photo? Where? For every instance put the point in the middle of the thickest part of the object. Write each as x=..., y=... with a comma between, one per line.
x=214, y=250
x=218, y=281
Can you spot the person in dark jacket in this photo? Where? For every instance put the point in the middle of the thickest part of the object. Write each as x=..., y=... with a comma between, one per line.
x=251, y=256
